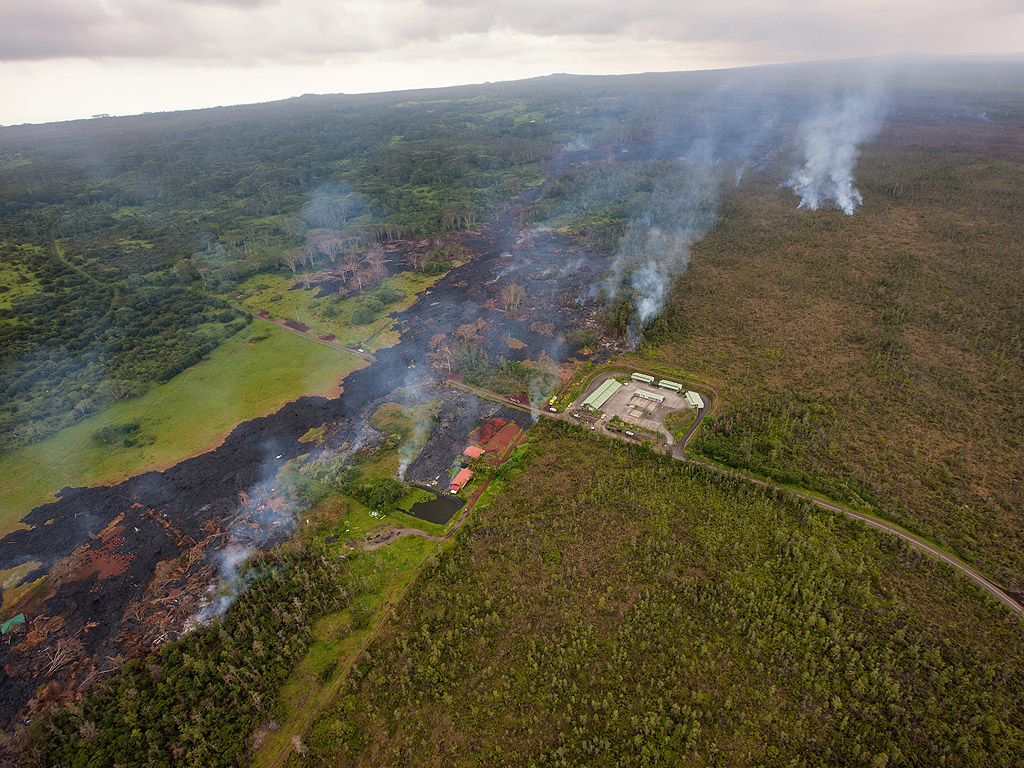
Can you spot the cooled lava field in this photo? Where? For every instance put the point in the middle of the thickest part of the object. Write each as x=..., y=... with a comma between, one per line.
x=129, y=563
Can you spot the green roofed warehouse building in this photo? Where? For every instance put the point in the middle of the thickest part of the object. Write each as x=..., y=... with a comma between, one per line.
x=653, y=396
x=600, y=395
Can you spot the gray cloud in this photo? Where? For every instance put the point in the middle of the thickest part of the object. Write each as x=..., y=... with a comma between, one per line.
x=784, y=22
x=243, y=4
x=66, y=28
x=222, y=30
x=307, y=30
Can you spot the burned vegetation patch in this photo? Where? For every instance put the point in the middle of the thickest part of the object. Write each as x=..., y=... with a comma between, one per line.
x=126, y=566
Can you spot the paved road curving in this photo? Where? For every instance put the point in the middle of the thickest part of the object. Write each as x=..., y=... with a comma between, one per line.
x=679, y=453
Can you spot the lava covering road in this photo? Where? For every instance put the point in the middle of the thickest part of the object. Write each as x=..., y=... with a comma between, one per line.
x=128, y=564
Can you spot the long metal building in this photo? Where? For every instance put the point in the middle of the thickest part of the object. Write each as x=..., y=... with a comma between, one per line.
x=600, y=395
x=653, y=396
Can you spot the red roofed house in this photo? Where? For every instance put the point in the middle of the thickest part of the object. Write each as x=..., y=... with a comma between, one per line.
x=473, y=452
x=460, y=480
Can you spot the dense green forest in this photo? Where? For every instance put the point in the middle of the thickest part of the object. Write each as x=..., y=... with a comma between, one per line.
x=612, y=607
x=596, y=202
x=80, y=342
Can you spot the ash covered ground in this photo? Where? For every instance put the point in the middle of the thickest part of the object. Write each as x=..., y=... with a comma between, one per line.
x=129, y=564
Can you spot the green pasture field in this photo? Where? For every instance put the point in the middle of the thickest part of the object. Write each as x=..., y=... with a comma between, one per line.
x=252, y=374
x=274, y=294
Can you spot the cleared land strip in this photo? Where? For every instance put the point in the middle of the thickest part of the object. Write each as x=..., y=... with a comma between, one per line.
x=921, y=544
x=307, y=335
x=680, y=454
x=300, y=725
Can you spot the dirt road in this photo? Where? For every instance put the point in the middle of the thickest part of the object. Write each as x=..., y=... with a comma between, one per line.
x=306, y=335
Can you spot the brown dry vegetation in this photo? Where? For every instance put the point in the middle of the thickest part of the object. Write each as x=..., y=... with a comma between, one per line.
x=876, y=357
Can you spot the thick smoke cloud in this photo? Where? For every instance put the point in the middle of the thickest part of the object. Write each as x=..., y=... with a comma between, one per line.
x=831, y=143
x=742, y=131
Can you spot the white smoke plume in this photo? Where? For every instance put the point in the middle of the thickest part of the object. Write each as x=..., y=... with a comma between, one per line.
x=230, y=559
x=830, y=142
x=415, y=392
x=656, y=246
x=259, y=521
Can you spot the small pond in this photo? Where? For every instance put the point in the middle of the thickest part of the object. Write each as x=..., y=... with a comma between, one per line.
x=439, y=509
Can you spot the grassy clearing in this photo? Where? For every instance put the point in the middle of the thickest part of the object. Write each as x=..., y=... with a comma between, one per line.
x=15, y=281
x=358, y=520
x=381, y=577
x=333, y=314
x=351, y=494
x=252, y=374
x=339, y=638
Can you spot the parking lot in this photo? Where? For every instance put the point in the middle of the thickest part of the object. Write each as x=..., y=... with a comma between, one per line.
x=635, y=409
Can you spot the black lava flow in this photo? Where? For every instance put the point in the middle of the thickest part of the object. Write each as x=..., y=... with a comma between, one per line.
x=188, y=496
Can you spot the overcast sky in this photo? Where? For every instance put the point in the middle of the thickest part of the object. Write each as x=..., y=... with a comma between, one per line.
x=64, y=59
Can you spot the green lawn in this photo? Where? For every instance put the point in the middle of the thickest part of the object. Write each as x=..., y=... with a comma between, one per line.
x=347, y=519
x=245, y=378
x=332, y=314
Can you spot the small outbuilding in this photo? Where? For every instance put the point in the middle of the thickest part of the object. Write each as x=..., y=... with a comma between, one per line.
x=694, y=400
x=461, y=480
x=642, y=377
x=672, y=385
x=473, y=452
x=652, y=396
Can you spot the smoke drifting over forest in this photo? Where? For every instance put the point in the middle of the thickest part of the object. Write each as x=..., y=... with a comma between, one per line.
x=827, y=137
x=830, y=143
x=656, y=246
